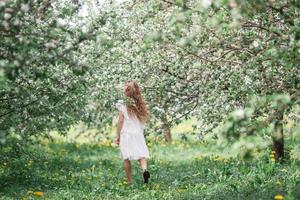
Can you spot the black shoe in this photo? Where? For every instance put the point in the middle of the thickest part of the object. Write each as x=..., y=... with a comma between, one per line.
x=146, y=176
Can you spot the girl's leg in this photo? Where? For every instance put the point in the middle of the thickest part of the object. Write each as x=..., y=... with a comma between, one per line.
x=143, y=163
x=146, y=174
x=127, y=167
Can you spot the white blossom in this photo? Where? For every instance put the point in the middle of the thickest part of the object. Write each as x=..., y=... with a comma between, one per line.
x=183, y=42
x=2, y=3
x=2, y=63
x=247, y=80
x=24, y=7
x=7, y=15
x=189, y=77
x=17, y=22
x=16, y=63
x=180, y=17
x=255, y=43
x=239, y=114
x=38, y=20
x=159, y=109
x=5, y=24
x=61, y=23
x=206, y=3
x=50, y=45
x=68, y=45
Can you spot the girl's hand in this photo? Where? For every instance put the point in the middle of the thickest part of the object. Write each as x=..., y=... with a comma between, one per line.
x=117, y=140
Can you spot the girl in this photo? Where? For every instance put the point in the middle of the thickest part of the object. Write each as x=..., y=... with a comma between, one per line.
x=130, y=132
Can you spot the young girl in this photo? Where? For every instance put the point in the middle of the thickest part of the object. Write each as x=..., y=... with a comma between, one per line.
x=130, y=132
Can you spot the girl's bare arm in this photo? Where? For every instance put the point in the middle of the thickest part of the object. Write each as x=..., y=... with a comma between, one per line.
x=120, y=125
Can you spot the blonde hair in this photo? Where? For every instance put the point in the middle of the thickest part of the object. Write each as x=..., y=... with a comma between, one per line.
x=136, y=104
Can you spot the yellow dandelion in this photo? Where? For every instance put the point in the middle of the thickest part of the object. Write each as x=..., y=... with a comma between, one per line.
x=272, y=156
x=278, y=183
x=197, y=174
x=120, y=184
x=199, y=158
x=273, y=159
x=179, y=190
x=273, y=152
x=278, y=197
x=38, y=194
x=219, y=158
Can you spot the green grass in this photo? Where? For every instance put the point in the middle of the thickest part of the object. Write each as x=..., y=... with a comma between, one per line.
x=179, y=171
x=184, y=127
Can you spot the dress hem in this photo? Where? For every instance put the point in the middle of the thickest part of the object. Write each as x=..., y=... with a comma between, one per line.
x=135, y=158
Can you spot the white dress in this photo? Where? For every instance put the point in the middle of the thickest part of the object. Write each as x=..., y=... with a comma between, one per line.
x=132, y=140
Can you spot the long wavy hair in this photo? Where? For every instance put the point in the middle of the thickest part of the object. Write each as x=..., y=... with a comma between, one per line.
x=136, y=104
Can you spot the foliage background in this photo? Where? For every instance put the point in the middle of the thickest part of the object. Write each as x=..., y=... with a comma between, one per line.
x=229, y=66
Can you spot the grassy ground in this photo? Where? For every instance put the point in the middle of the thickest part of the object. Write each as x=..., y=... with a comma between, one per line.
x=78, y=133
x=179, y=171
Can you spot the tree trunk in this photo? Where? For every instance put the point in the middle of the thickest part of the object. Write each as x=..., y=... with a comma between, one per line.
x=278, y=137
x=166, y=129
x=167, y=133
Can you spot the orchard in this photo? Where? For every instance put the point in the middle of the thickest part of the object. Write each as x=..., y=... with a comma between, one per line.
x=221, y=79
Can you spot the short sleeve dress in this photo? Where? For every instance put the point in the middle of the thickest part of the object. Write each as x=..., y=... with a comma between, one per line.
x=132, y=141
